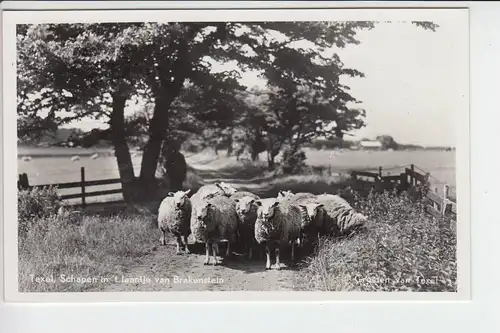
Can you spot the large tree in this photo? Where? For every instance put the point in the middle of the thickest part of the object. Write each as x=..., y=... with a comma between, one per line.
x=68, y=72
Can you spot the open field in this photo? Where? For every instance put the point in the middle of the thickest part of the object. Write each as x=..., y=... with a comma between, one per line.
x=59, y=168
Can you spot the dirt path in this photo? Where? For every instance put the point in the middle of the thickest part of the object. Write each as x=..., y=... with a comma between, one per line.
x=163, y=270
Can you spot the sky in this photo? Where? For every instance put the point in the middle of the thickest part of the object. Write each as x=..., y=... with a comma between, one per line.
x=410, y=82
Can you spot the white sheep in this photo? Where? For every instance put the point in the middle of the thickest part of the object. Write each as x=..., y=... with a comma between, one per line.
x=293, y=197
x=212, y=190
x=312, y=219
x=214, y=220
x=339, y=218
x=247, y=215
x=174, y=216
x=75, y=158
x=277, y=225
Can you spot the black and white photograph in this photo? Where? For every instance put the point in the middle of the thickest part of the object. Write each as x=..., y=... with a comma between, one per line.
x=300, y=151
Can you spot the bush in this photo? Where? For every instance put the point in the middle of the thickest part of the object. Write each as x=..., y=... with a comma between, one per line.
x=293, y=162
x=402, y=248
x=33, y=206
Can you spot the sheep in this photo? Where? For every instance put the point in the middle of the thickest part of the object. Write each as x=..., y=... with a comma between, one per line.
x=241, y=194
x=75, y=158
x=214, y=220
x=290, y=196
x=174, y=216
x=212, y=190
x=312, y=218
x=277, y=225
x=339, y=218
x=95, y=156
x=247, y=215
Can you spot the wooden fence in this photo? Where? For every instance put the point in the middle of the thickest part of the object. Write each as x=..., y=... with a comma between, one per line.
x=360, y=180
x=437, y=205
x=23, y=183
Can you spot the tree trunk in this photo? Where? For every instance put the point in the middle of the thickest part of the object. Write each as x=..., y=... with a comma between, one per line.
x=229, y=146
x=152, y=149
x=122, y=153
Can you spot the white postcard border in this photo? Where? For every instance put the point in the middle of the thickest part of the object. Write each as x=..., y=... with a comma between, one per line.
x=10, y=153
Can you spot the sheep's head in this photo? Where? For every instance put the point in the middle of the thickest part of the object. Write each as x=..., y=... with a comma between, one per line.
x=266, y=208
x=244, y=205
x=284, y=194
x=226, y=188
x=203, y=214
x=313, y=210
x=180, y=198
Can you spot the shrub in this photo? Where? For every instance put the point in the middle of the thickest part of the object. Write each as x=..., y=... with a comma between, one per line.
x=402, y=248
x=35, y=205
x=293, y=162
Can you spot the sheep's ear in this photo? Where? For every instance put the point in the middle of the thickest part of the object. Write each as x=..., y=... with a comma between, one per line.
x=170, y=194
x=258, y=203
x=275, y=204
x=302, y=206
x=320, y=206
x=236, y=200
x=252, y=201
x=187, y=192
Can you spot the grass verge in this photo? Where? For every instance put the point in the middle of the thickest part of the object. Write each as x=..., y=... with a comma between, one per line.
x=93, y=247
x=401, y=249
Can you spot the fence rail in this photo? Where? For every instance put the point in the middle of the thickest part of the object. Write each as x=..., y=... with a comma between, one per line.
x=438, y=205
x=23, y=183
x=407, y=180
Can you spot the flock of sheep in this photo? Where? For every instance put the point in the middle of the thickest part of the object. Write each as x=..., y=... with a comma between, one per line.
x=219, y=213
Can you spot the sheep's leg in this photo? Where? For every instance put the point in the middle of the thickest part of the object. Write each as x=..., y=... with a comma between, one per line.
x=277, y=251
x=186, y=248
x=207, y=253
x=162, y=238
x=179, y=243
x=250, y=252
x=215, y=250
x=293, y=251
x=268, y=257
x=228, y=249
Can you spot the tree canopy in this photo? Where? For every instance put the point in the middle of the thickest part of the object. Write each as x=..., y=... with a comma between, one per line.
x=69, y=72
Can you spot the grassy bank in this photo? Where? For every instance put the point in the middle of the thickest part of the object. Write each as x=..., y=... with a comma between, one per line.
x=401, y=249
x=86, y=246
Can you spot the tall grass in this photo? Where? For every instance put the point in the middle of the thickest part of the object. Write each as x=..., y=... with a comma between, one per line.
x=92, y=246
x=402, y=248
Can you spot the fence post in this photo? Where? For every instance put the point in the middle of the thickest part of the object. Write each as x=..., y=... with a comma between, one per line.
x=82, y=173
x=445, y=199
x=380, y=171
x=412, y=177
x=403, y=179
x=23, y=182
